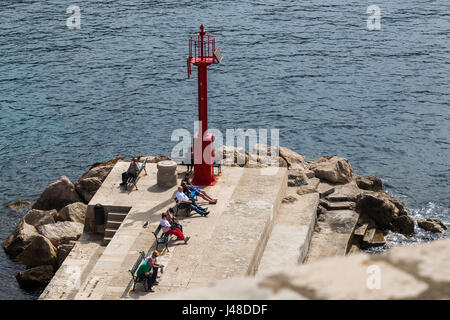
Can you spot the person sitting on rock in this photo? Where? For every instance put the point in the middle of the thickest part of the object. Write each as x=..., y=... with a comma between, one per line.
x=143, y=273
x=196, y=191
x=167, y=228
x=173, y=221
x=183, y=198
x=131, y=172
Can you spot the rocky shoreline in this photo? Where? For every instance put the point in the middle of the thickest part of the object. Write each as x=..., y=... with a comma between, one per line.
x=47, y=232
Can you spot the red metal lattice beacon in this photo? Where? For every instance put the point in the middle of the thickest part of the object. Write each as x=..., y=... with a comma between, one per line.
x=202, y=53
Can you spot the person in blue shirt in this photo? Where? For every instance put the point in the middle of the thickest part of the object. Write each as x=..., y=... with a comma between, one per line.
x=194, y=191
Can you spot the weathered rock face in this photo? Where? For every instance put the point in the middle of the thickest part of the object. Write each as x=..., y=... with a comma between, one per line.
x=61, y=232
x=371, y=183
x=39, y=252
x=332, y=169
x=75, y=212
x=305, y=190
x=57, y=195
x=431, y=224
x=232, y=156
x=19, y=205
x=19, y=239
x=265, y=155
x=62, y=253
x=36, y=217
x=293, y=159
x=35, y=277
x=88, y=187
x=97, y=172
x=156, y=159
x=110, y=163
x=386, y=211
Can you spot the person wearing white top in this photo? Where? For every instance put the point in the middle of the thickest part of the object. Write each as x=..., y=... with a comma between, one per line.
x=183, y=198
x=167, y=228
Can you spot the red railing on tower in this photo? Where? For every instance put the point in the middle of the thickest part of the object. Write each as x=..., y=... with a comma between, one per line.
x=202, y=50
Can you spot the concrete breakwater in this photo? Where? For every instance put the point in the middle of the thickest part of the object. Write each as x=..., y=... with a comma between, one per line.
x=307, y=210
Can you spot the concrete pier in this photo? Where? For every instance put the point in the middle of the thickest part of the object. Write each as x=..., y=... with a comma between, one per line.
x=229, y=242
x=259, y=226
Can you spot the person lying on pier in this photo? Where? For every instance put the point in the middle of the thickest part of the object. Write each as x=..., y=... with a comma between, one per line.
x=173, y=221
x=144, y=271
x=167, y=228
x=131, y=172
x=189, y=191
x=197, y=191
x=183, y=198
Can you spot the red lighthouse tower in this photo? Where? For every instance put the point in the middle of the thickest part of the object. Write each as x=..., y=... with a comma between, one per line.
x=202, y=53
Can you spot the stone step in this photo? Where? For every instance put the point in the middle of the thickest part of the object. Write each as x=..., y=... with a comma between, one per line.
x=106, y=240
x=109, y=233
x=368, y=236
x=378, y=239
x=310, y=174
x=111, y=224
x=325, y=189
x=313, y=183
x=333, y=234
x=344, y=205
x=345, y=192
x=354, y=249
x=115, y=216
x=373, y=238
x=361, y=230
x=340, y=198
x=290, y=238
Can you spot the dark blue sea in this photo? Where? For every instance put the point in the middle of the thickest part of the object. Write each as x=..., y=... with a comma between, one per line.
x=312, y=69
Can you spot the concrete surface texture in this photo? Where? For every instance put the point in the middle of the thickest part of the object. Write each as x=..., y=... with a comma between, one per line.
x=291, y=235
x=228, y=243
x=418, y=271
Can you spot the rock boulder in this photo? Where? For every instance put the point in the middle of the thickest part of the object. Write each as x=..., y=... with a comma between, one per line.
x=75, y=212
x=431, y=224
x=88, y=187
x=61, y=232
x=293, y=159
x=39, y=252
x=19, y=239
x=19, y=205
x=97, y=172
x=386, y=211
x=57, y=195
x=110, y=163
x=37, y=217
x=266, y=156
x=232, y=156
x=62, y=253
x=156, y=159
x=332, y=169
x=35, y=277
x=372, y=183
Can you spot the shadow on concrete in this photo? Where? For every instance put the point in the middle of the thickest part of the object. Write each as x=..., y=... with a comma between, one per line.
x=125, y=190
x=158, y=189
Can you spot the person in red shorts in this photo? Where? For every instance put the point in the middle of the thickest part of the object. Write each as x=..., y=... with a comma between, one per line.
x=167, y=228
